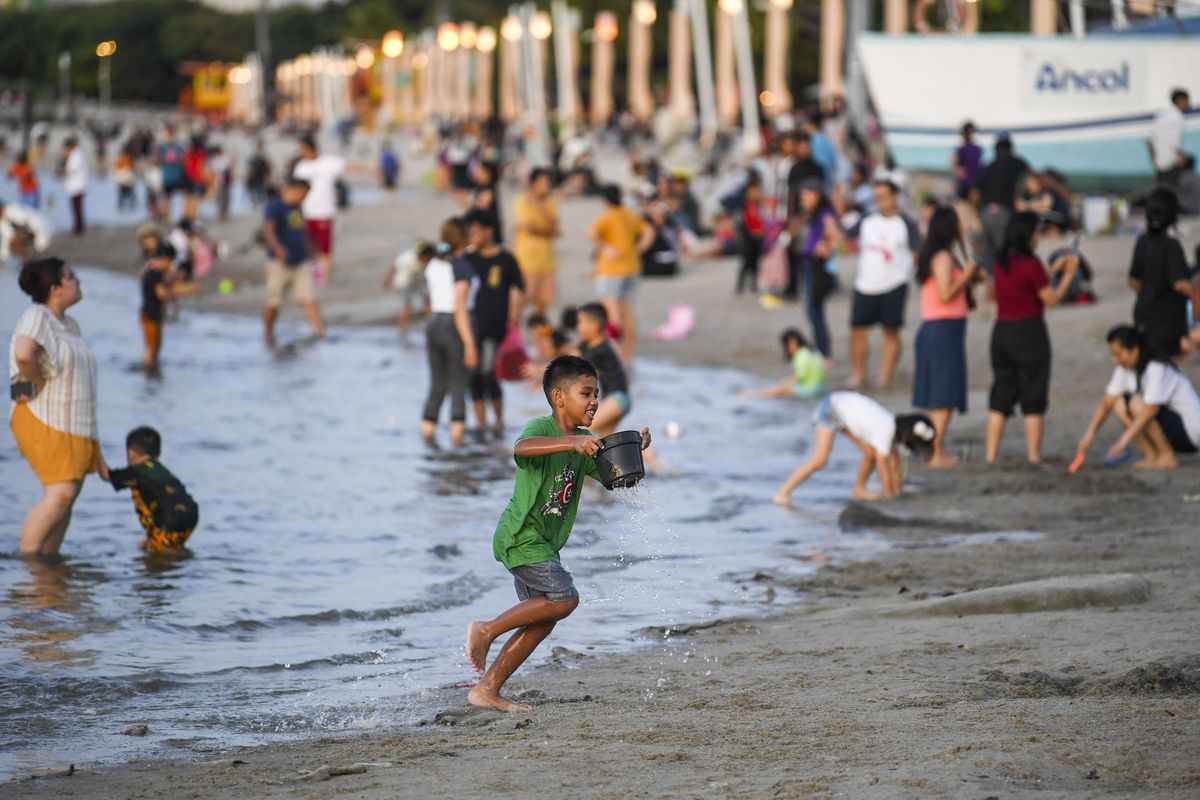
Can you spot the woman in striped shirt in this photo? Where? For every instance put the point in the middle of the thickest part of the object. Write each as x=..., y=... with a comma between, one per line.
x=52, y=372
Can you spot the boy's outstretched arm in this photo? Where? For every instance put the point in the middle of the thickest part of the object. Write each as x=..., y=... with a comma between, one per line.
x=536, y=446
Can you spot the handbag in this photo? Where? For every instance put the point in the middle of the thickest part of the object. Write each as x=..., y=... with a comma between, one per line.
x=511, y=358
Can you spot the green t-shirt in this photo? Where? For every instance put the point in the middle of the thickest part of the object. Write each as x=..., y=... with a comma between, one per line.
x=808, y=366
x=535, y=525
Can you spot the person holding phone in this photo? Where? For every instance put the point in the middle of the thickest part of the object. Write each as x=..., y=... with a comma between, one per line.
x=52, y=377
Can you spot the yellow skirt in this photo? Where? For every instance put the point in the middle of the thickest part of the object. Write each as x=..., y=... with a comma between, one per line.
x=54, y=456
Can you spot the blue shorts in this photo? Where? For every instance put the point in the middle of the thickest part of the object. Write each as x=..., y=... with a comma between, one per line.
x=826, y=417
x=622, y=399
x=548, y=579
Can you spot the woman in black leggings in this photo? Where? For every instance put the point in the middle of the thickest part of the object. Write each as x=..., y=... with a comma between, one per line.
x=1020, y=347
x=449, y=341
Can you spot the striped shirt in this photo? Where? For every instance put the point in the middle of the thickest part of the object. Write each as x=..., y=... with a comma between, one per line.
x=67, y=402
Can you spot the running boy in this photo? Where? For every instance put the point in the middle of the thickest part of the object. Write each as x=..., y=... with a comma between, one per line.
x=876, y=431
x=553, y=454
x=167, y=512
x=289, y=249
x=594, y=346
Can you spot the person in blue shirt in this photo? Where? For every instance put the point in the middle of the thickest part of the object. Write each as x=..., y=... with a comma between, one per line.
x=289, y=262
x=823, y=151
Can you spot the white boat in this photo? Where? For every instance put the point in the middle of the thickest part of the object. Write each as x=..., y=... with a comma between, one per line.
x=1081, y=105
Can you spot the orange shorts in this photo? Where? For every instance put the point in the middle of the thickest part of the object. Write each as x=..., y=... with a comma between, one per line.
x=151, y=332
x=53, y=455
x=158, y=538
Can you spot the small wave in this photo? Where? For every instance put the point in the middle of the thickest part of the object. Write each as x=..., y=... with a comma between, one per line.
x=450, y=594
x=21, y=696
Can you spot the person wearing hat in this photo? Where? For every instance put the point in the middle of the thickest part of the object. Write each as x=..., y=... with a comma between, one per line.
x=75, y=180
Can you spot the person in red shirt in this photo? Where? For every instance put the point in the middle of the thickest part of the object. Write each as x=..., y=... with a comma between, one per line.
x=1020, y=347
x=195, y=169
x=754, y=228
x=27, y=183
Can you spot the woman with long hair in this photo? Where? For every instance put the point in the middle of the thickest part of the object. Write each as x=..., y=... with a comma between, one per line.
x=1020, y=347
x=1153, y=399
x=940, y=380
x=821, y=239
x=449, y=340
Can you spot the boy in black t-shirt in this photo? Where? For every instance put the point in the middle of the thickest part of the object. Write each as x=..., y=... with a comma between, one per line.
x=591, y=323
x=499, y=293
x=157, y=289
x=167, y=512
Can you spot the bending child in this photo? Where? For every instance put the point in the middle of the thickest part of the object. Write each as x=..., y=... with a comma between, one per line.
x=1155, y=402
x=878, y=433
x=808, y=370
x=167, y=512
x=553, y=454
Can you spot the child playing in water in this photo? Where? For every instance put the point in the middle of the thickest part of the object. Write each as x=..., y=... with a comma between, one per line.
x=877, y=432
x=167, y=512
x=553, y=455
x=158, y=288
x=591, y=325
x=407, y=276
x=808, y=370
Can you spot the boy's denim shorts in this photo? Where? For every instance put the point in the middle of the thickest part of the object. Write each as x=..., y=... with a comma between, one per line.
x=548, y=579
x=826, y=417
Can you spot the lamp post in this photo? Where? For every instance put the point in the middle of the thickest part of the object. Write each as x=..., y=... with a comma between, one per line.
x=485, y=45
x=538, y=29
x=751, y=136
x=565, y=33
x=704, y=73
x=775, y=57
x=833, y=34
x=511, y=32
x=642, y=16
x=726, y=84
x=680, y=69
x=105, y=51
x=605, y=31
x=392, y=48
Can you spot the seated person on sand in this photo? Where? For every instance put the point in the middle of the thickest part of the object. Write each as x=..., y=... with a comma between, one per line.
x=1155, y=402
x=724, y=241
x=878, y=433
x=808, y=370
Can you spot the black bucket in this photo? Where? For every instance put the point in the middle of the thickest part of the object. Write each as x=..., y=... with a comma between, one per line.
x=620, y=460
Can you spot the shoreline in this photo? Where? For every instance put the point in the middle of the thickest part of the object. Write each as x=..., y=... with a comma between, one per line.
x=866, y=687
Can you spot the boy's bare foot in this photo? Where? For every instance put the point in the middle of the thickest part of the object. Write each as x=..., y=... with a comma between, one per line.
x=477, y=647
x=942, y=461
x=854, y=382
x=863, y=494
x=782, y=500
x=486, y=698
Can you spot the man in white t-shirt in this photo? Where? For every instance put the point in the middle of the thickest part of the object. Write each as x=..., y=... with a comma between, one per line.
x=1166, y=140
x=320, y=206
x=888, y=242
x=75, y=180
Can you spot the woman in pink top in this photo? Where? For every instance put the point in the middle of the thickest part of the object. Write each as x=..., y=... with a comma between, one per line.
x=940, y=381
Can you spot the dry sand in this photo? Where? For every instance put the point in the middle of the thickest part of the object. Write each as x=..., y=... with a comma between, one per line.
x=869, y=688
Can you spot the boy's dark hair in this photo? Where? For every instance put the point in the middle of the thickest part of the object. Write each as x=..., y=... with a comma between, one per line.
x=1179, y=94
x=425, y=249
x=563, y=370
x=536, y=320
x=611, y=194
x=915, y=433
x=539, y=172
x=309, y=141
x=597, y=312
x=1162, y=209
x=559, y=339
x=568, y=319
x=792, y=335
x=144, y=440
x=481, y=218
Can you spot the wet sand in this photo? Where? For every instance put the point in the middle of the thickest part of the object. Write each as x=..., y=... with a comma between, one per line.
x=874, y=687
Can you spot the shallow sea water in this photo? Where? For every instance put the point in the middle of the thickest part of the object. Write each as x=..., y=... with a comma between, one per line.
x=338, y=558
